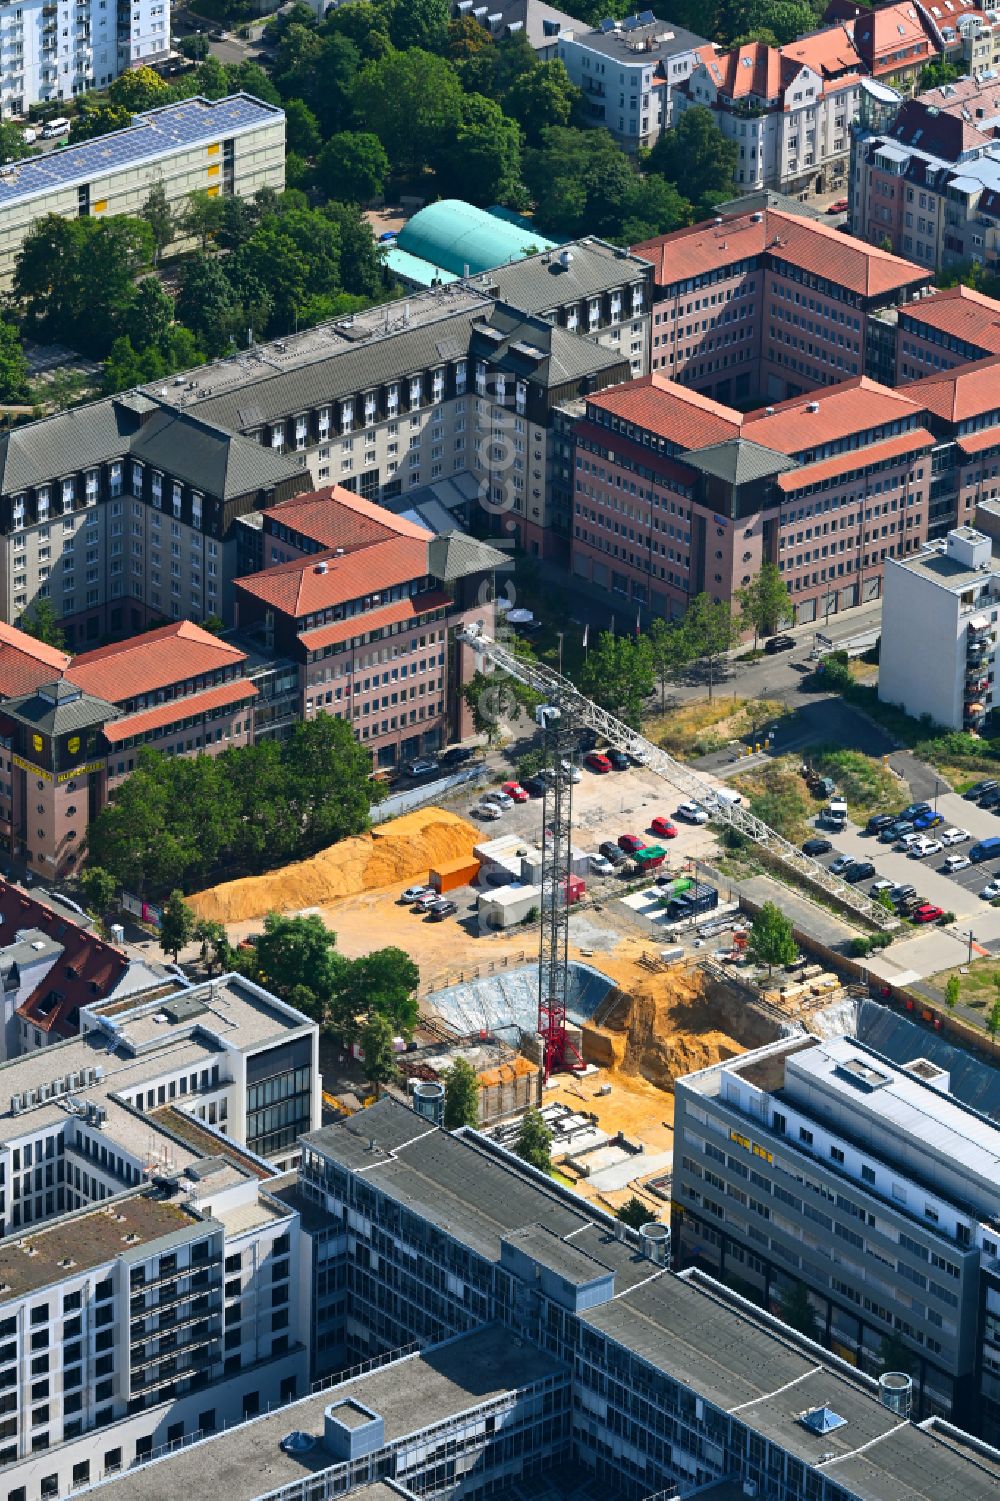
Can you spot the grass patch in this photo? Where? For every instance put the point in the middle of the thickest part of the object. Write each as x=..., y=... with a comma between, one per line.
x=561, y=1178
x=979, y=981
x=868, y=785
x=698, y=728
x=777, y=793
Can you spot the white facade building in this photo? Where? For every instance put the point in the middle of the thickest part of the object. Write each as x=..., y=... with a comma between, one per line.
x=939, y=631
x=57, y=49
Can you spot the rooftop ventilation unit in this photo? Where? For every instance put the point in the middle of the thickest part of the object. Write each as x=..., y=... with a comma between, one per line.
x=812, y=406
x=16, y=1104
x=297, y=1442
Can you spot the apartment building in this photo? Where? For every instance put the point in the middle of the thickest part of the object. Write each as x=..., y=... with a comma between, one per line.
x=676, y=494
x=148, y=1282
x=628, y=71
x=787, y=110
x=54, y=51
x=896, y=42
x=766, y=304
x=946, y=598
x=369, y=606
x=819, y=1162
x=232, y=145
x=556, y=1351
x=925, y=175
x=539, y=22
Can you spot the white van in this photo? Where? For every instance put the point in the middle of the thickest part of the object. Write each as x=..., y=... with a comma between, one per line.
x=727, y=798
x=57, y=127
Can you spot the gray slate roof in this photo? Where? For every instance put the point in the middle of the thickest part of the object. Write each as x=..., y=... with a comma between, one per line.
x=206, y=456
x=455, y=555
x=62, y=444
x=740, y=461
x=542, y=282
x=60, y=708
x=566, y=357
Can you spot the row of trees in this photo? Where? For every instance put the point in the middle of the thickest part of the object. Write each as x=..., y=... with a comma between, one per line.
x=178, y=822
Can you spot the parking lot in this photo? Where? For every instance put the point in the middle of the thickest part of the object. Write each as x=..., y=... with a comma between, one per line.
x=956, y=892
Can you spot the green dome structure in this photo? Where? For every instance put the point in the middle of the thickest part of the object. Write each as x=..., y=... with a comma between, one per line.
x=464, y=239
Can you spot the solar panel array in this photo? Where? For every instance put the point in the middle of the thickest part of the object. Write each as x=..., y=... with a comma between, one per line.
x=152, y=134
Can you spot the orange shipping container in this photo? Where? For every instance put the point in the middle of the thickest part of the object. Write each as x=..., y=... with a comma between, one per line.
x=455, y=873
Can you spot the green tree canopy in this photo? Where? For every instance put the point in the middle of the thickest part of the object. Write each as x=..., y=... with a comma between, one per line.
x=952, y=991
x=352, y=166
x=159, y=216
x=302, y=128
x=534, y=1141
x=582, y=182
x=669, y=647
x=297, y=952
x=139, y=89
x=13, y=146
x=634, y=1213
x=710, y=630
x=461, y=1095
x=380, y=1065
x=420, y=23
x=542, y=97
x=765, y=603
x=772, y=938
x=13, y=365
x=383, y=982
x=176, y=925
x=99, y=890
x=74, y=278
x=42, y=622
x=413, y=102
x=619, y=675
x=697, y=157
x=481, y=162
x=207, y=304
x=98, y=117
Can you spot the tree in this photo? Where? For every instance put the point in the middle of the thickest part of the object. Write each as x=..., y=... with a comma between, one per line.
x=482, y=160
x=952, y=991
x=207, y=304
x=99, y=890
x=362, y=258
x=176, y=925
x=695, y=154
x=461, y=1095
x=139, y=89
x=494, y=697
x=382, y=983
x=413, y=102
x=13, y=146
x=248, y=77
x=201, y=216
x=302, y=128
x=772, y=940
x=711, y=631
x=42, y=622
x=75, y=278
x=380, y=1065
x=194, y=46
x=352, y=166
x=160, y=217
x=98, y=117
x=541, y=97
x=765, y=603
x=797, y=1311
x=937, y=73
x=299, y=951
x=582, y=182
x=993, y=1021
x=534, y=1141
x=668, y=645
x=215, y=949
x=619, y=675
x=419, y=23
x=13, y=365
x=147, y=317
x=465, y=38
x=634, y=1212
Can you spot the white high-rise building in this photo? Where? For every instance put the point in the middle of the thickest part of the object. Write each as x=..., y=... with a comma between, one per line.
x=57, y=49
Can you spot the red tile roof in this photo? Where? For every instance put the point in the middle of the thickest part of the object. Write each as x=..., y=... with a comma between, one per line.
x=671, y=411
x=974, y=443
x=335, y=517
x=308, y=585
x=189, y=707
x=961, y=312
x=967, y=391
x=831, y=53
x=87, y=970
x=146, y=663
x=880, y=35
x=917, y=441
x=397, y=613
x=753, y=68
x=25, y=664
x=805, y=243
x=853, y=406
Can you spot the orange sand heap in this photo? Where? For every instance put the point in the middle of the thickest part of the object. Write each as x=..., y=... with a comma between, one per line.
x=403, y=849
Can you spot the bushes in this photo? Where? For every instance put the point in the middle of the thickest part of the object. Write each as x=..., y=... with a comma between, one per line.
x=869, y=943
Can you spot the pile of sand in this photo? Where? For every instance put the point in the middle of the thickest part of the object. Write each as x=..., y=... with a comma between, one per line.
x=658, y=1026
x=404, y=849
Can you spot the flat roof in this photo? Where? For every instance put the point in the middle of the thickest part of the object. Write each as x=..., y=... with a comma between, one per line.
x=947, y=572
x=624, y=39
x=35, y=1259
x=410, y=1394
x=155, y=133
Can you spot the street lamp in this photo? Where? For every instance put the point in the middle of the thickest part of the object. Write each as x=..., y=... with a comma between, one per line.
x=937, y=784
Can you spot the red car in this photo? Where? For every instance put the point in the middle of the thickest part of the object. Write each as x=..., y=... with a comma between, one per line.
x=927, y=913
x=839, y=207
x=630, y=843
x=597, y=762
x=515, y=792
x=664, y=828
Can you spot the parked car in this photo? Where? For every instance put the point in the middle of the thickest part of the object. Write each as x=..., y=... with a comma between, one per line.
x=910, y=839
x=619, y=760
x=421, y=767
x=991, y=891
x=955, y=863
x=842, y=863
x=878, y=822
x=457, y=755
x=894, y=831
x=858, y=870
x=663, y=827
x=925, y=848
x=587, y=739
x=928, y=820
x=692, y=813
x=953, y=836
x=882, y=884
x=534, y=785
x=595, y=761
x=978, y=788
x=902, y=892
x=572, y=771
x=927, y=913
x=441, y=910
x=610, y=851
x=990, y=799
x=630, y=843
x=638, y=756
x=839, y=206
x=600, y=865
x=426, y=902
x=913, y=811
x=415, y=893
x=817, y=847
x=487, y=812
x=774, y=644
x=500, y=799
x=515, y=792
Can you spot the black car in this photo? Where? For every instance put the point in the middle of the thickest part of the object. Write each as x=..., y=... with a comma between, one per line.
x=534, y=785
x=989, y=784
x=610, y=851
x=441, y=910
x=775, y=644
x=587, y=740
x=878, y=822
x=990, y=799
x=619, y=760
x=894, y=831
x=861, y=870
x=817, y=847
x=912, y=811
x=457, y=755
x=903, y=893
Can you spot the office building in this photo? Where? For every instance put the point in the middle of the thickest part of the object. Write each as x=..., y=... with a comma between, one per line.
x=53, y=52
x=232, y=145
x=628, y=71
x=787, y=110
x=767, y=304
x=557, y=1356
x=939, y=637
x=821, y=1163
